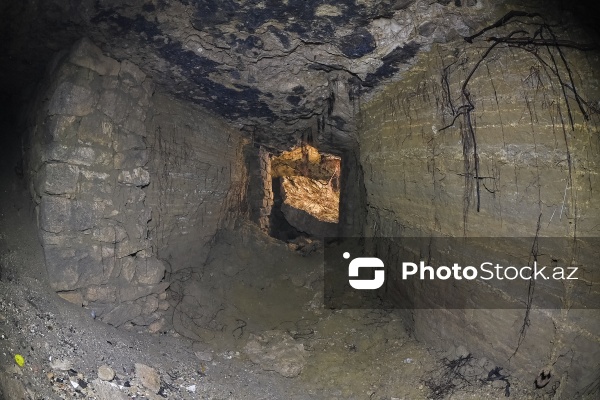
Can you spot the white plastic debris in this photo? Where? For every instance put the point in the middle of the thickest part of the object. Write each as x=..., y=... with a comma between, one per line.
x=408, y=360
x=191, y=388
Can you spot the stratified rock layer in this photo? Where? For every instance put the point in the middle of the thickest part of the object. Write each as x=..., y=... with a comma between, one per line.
x=498, y=146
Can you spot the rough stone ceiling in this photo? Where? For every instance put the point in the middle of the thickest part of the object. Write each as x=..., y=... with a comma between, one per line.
x=280, y=69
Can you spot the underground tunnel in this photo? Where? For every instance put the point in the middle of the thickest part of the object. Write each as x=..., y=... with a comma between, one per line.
x=368, y=199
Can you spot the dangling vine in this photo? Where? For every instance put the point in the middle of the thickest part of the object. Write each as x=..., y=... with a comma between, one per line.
x=553, y=59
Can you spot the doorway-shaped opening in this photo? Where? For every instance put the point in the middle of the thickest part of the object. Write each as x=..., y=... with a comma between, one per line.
x=306, y=194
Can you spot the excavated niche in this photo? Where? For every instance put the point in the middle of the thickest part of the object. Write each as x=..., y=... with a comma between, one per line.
x=306, y=193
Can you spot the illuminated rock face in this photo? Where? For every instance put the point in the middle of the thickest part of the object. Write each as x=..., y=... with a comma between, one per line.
x=310, y=205
x=309, y=187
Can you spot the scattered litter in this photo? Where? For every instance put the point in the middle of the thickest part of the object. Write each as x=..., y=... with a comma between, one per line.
x=408, y=360
x=19, y=360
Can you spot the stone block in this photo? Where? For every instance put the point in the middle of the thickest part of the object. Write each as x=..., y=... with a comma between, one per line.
x=131, y=293
x=148, y=377
x=55, y=214
x=128, y=247
x=108, y=391
x=108, y=253
x=149, y=270
x=108, y=234
x=100, y=293
x=61, y=127
x=109, y=82
x=79, y=155
x=126, y=141
x=127, y=268
x=71, y=99
x=122, y=313
x=58, y=178
x=305, y=222
x=85, y=214
x=86, y=54
x=137, y=112
x=149, y=304
x=145, y=319
x=98, y=183
x=61, y=267
x=139, y=93
x=157, y=326
x=116, y=104
x=137, y=177
x=96, y=128
x=130, y=159
x=130, y=74
x=58, y=214
x=72, y=296
x=92, y=267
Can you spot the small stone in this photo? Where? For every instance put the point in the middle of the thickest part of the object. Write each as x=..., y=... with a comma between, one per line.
x=157, y=326
x=108, y=391
x=106, y=373
x=498, y=384
x=277, y=351
x=148, y=377
x=163, y=305
x=61, y=365
x=462, y=352
x=72, y=297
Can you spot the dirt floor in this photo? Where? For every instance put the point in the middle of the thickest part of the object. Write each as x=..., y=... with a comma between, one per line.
x=248, y=324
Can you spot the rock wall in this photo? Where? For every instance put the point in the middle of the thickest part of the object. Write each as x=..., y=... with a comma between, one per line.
x=198, y=180
x=260, y=192
x=103, y=155
x=353, y=212
x=494, y=142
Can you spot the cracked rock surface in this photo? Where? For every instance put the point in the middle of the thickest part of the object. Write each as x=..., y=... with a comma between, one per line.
x=276, y=68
